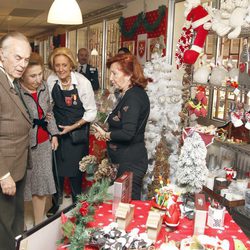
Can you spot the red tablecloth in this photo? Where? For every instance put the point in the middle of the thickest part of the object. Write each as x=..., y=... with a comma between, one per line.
x=231, y=231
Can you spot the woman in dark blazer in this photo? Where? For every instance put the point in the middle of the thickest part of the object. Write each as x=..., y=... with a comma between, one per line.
x=127, y=121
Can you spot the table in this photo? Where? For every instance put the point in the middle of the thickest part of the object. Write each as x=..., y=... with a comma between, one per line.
x=231, y=231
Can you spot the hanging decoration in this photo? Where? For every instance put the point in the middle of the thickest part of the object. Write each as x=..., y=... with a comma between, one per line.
x=142, y=20
x=149, y=27
x=133, y=29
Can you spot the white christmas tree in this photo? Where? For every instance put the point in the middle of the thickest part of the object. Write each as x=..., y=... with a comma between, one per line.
x=165, y=94
x=191, y=168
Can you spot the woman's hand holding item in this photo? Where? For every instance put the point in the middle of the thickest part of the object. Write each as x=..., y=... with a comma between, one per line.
x=100, y=133
x=54, y=143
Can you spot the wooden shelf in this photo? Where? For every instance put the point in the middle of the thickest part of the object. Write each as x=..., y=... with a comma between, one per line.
x=221, y=199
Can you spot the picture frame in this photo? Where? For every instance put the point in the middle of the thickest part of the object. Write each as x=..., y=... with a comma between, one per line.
x=130, y=45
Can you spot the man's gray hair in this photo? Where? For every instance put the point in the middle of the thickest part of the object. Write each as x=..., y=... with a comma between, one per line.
x=13, y=34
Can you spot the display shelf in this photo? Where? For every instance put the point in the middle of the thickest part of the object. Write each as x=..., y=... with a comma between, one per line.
x=222, y=200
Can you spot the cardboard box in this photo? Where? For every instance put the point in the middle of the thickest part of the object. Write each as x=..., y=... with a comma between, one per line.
x=124, y=215
x=154, y=224
x=200, y=214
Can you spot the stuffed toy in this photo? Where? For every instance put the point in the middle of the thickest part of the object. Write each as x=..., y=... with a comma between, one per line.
x=198, y=104
x=237, y=115
x=231, y=17
x=218, y=74
x=201, y=74
x=199, y=19
x=233, y=72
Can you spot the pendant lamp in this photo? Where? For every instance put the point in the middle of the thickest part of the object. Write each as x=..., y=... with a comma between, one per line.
x=65, y=12
x=94, y=52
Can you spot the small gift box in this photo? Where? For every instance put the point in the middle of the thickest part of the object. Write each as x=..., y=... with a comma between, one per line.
x=216, y=217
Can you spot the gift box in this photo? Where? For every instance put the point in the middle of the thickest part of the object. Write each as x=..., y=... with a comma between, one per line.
x=200, y=214
x=122, y=190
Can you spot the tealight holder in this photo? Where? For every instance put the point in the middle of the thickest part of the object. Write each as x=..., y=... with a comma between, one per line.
x=216, y=216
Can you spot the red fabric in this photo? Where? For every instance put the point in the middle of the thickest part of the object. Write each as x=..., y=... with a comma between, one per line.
x=190, y=56
x=196, y=13
x=103, y=217
x=42, y=135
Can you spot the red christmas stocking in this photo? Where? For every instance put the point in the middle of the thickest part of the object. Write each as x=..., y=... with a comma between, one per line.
x=200, y=21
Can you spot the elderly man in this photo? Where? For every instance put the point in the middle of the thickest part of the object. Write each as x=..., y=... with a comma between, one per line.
x=14, y=137
x=86, y=69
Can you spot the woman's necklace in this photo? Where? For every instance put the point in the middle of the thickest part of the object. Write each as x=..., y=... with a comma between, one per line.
x=66, y=84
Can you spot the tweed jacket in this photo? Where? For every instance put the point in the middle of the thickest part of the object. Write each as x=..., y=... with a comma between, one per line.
x=45, y=104
x=15, y=125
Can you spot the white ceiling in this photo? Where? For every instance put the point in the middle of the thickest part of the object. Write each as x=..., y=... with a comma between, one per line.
x=30, y=16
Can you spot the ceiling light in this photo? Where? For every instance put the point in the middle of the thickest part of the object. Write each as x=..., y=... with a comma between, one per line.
x=94, y=52
x=65, y=12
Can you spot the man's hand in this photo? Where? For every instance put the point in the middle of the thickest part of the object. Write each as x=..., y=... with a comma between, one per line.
x=8, y=186
x=54, y=143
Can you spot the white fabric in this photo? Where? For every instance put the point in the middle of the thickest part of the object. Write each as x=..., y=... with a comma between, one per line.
x=201, y=21
x=85, y=92
x=196, y=48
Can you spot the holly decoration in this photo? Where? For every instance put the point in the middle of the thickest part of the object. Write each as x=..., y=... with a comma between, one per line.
x=141, y=20
x=75, y=228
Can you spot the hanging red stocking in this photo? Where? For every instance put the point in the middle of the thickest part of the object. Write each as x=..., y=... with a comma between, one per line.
x=183, y=44
x=200, y=22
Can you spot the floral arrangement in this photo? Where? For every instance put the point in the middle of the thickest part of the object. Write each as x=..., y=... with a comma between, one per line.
x=75, y=230
x=95, y=171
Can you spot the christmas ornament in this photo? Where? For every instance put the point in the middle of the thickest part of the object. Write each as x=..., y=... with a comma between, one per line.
x=237, y=115
x=219, y=73
x=183, y=45
x=198, y=104
x=199, y=18
x=173, y=212
x=201, y=74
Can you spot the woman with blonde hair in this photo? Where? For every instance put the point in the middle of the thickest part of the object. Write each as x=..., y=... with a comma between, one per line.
x=74, y=108
x=43, y=137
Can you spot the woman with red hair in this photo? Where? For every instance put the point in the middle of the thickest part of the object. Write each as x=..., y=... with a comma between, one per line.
x=127, y=121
